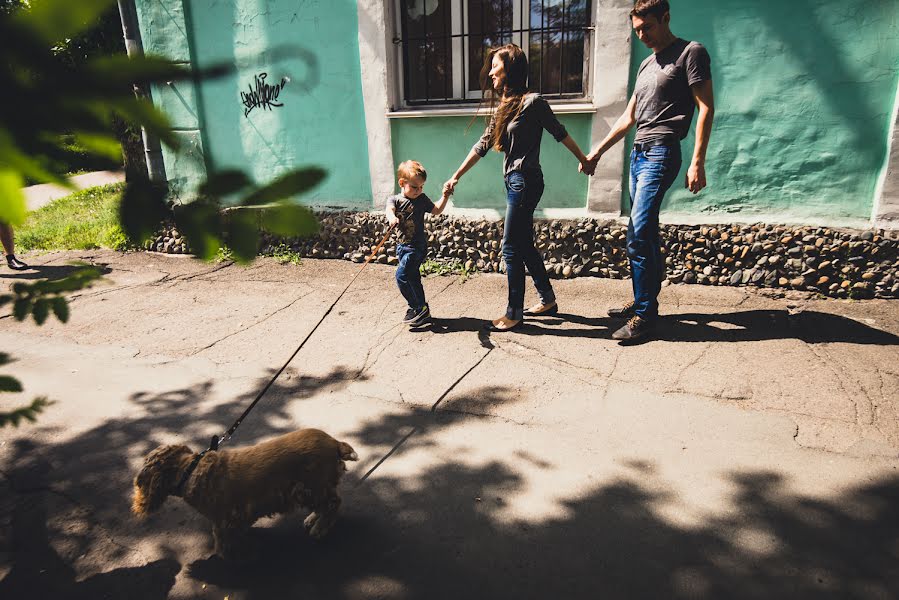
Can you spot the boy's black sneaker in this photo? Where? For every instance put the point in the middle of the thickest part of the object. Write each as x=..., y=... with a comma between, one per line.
x=635, y=329
x=410, y=316
x=14, y=263
x=421, y=316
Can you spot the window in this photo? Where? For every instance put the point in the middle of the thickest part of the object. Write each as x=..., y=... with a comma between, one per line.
x=442, y=44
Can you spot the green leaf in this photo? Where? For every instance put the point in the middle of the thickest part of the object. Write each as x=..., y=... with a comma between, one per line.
x=289, y=220
x=122, y=71
x=10, y=384
x=143, y=209
x=243, y=235
x=142, y=112
x=61, y=309
x=24, y=165
x=58, y=20
x=12, y=205
x=290, y=184
x=200, y=222
x=101, y=145
x=21, y=308
x=41, y=310
x=224, y=183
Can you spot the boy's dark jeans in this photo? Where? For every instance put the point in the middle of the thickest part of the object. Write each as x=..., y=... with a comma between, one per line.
x=653, y=171
x=523, y=192
x=408, y=277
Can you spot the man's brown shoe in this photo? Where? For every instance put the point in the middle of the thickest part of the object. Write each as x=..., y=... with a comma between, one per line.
x=623, y=312
x=635, y=329
x=504, y=324
x=542, y=310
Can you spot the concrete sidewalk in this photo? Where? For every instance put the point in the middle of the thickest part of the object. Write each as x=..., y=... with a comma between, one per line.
x=37, y=196
x=749, y=451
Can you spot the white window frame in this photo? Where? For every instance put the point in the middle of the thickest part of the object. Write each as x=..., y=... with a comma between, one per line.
x=460, y=53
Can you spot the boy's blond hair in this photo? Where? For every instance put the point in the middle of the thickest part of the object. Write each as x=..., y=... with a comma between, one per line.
x=409, y=169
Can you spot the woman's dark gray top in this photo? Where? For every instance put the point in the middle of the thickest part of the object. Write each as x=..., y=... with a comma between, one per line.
x=521, y=143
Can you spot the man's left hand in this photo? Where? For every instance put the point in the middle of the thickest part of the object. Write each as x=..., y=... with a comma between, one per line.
x=696, y=178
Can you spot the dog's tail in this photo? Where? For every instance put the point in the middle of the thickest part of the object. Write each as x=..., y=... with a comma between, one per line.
x=346, y=451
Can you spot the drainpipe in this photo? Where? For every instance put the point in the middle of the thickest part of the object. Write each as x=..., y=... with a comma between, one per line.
x=152, y=147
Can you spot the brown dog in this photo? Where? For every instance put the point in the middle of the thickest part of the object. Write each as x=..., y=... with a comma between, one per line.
x=234, y=488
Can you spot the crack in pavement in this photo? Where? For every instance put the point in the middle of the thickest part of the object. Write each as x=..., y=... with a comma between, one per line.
x=545, y=357
x=262, y=320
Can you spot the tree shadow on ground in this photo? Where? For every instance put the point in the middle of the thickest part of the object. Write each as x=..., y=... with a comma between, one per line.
x=439, y=535
x=51, y=272
x=439, y=530
x=44, y=480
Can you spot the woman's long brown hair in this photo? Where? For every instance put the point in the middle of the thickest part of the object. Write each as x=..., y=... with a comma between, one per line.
x=511, y=97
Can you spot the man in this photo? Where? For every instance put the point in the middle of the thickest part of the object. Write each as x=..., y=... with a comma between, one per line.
x=7, y=240
x=670, y=84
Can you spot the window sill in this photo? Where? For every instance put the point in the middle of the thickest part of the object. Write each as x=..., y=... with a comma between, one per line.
x=561, y=108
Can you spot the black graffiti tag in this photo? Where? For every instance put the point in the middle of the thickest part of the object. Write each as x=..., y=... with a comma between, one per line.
x=264, y=95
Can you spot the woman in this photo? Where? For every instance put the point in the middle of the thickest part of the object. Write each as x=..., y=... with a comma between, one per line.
x=516, y=128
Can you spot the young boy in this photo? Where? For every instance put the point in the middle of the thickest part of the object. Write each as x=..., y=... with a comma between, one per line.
x=407, y=211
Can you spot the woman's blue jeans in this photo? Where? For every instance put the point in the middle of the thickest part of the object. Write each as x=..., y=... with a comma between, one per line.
x=408, y=275
x=653, y=171
x=523, y=192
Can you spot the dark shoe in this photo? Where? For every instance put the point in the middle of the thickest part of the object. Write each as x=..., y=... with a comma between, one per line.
x=634, y=329
x=14, y=263
x=409, y=316
x=420, y=317
x=543, y=310
x=624, y=312
x=504, y=324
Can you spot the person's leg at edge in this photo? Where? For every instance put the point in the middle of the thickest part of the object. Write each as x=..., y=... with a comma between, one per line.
x=529, y=254
x=7, y=239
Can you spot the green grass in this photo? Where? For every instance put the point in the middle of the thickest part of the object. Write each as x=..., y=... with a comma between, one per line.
x=285, y=255
x=444, y=267
x=81, y=221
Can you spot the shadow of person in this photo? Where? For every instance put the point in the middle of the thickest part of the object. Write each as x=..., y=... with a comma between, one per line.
x=755, y=325
x=50, y=272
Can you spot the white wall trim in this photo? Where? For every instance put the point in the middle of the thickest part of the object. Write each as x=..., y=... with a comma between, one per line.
x=559, y=108
x=611, y=74
x=376, y=77
x=886, y=196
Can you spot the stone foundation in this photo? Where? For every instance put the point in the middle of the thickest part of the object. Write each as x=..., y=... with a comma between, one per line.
x=834, y=262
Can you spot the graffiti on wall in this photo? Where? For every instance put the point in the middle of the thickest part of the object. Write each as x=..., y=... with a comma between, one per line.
x=264, y=96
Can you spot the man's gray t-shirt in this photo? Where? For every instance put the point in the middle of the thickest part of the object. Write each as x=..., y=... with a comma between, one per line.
x=521, y=144
x=664, y=101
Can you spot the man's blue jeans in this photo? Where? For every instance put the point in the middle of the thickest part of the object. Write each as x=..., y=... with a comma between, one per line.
x=653, y=171
x=408, y=275
x=523, y=192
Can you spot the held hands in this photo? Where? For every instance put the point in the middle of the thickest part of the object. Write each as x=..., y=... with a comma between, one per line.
x=450, y=186
x=695, y=179
x=588, y=166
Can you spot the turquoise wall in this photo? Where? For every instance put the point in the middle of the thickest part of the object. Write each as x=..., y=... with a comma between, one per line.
x=804, y=93
x=314, y=44
x=442, y=143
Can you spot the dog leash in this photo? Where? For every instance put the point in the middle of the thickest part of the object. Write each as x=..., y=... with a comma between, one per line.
x=217, y=441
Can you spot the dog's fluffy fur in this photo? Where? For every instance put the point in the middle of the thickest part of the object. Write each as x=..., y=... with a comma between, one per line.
x=234, y=488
